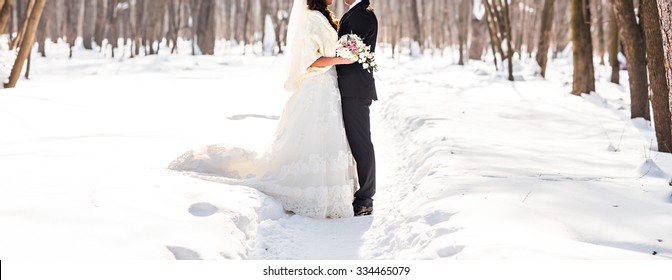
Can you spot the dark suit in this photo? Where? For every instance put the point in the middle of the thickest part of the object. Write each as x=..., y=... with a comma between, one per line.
x=358, y=90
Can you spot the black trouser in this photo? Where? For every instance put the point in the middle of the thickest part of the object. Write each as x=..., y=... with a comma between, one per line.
x=358, y=129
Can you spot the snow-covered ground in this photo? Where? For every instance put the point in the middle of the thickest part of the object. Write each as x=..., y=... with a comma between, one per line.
x=470, y=166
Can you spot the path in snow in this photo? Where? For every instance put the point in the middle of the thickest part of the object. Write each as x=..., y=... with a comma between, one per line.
x=297, y=237
x=369, y=237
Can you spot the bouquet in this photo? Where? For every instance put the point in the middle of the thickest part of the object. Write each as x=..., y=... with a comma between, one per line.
x=352, y=47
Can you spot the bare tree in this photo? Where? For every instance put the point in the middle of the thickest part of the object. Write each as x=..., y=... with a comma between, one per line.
x=495, y=26
x=478, y=38
x=633, y=42
x=395, y=19
x=613, y=49
x=531, y=39
x=545, y=35
x=279, y=17
x=562, y=27
x=136, y=26
x=415, y=20
x=152, y=25
x=112, y=30
x=584, y=75
x=246, y=23
x=4, y=14
x=600, y=30
x=41, y=33
x=206, y=27
x=463, y=18
x=21, y=31
x=26, y=44
x=523, y=13
x=101, y=19
x=175, y=22
x=507, y=23
x=665, y=13
x=500, y=29
x=89, y=23
x=72, y=22
x=53, y=10
x=659, y=88
x=194, y=8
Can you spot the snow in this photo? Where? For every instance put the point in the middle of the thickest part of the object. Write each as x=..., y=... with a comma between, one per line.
x=7, y=58
x=470, y=166
x=269, y=35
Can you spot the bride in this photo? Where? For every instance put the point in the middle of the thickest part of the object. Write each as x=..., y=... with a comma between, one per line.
x=309, y=167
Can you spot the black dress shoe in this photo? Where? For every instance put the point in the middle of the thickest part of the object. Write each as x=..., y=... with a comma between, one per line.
x=363, y=210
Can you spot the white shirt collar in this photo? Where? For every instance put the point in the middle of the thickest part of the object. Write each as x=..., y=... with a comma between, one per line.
x=355, y=3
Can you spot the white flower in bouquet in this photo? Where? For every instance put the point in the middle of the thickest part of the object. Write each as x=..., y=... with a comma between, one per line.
x=352, y=47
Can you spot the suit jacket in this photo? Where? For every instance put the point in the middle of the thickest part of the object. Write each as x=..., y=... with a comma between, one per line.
x=353, y=79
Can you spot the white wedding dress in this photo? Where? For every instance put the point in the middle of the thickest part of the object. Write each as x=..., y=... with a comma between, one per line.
x=309, y=167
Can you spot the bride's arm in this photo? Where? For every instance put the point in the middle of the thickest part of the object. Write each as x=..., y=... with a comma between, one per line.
x=329, y=61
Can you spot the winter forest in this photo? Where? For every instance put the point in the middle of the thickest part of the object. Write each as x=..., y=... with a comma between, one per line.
x=505, y=129
x=507, y=29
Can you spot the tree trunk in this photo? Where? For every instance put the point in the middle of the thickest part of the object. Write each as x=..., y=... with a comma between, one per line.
x=562, y=26
x=665, y=13
x=27, y=75
x=665, y=20
x=263, y=10
x=158, y=32
x=461, y=34
x=139, y=15
x=635, y=54
x=477, y=38
x=155, y=12
x=659, y=89
x=584, y=76
x=195, y=8
x=415, y=20
x=89, y=24
x=531, y=36
x=72, y=22
x=493, y=30
x=545, y=38
x=4, y=15
x=51, y=17
x=491, y=33
x=614, y=41
x=112, y=29
x=523, y=27
x=246, y=23
x=600, y=30
x=125, y=15
x=507, y=23
x=41, y=35
x=99, y=36
x=27, y=43
x=279, y=25
x=24, y=24
x=175, y=22
x=206, y=27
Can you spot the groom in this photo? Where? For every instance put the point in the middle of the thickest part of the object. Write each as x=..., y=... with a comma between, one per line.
x=358, y=90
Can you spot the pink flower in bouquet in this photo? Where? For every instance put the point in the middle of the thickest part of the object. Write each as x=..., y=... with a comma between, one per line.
x=352, y=47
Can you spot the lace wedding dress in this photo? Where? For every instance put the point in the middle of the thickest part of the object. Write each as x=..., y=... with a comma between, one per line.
x=309, y=167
